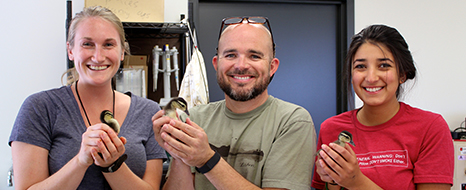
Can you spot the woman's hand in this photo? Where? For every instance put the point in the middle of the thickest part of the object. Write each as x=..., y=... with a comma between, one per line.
x=100, y=145
x=340, y=165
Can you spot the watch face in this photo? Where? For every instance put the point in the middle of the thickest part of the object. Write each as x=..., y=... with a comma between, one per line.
x=110, y=169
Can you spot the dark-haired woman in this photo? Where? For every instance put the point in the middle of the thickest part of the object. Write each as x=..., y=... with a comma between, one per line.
x=396, y=146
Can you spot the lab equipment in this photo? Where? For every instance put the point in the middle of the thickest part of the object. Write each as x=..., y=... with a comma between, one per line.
x=131, y=79
x=166, y=53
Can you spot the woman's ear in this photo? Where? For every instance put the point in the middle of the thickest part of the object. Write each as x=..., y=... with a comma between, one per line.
x=403, y=79
x=124, y=50
x=70, y=53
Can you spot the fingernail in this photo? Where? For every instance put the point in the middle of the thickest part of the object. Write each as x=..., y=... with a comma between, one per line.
x=324, y=146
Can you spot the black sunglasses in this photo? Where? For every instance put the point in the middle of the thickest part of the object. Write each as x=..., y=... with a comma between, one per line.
x=249, y=19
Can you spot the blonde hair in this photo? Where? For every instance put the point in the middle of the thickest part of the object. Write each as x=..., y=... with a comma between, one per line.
x=71, y=76
x=89, y=12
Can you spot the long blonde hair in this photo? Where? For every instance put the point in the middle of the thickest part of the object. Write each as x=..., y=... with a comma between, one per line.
x=88, y=12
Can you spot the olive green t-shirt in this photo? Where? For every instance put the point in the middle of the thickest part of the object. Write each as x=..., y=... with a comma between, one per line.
x=271, y=146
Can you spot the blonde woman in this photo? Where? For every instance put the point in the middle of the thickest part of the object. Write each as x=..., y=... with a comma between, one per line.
x=58, y=140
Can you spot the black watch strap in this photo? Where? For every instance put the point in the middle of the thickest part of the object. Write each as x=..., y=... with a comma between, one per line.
x=209, y=164
x=115, y=166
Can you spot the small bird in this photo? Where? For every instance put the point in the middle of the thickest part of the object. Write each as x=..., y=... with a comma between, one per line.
x=343, y=138
x=177, y=108
x=107, y=118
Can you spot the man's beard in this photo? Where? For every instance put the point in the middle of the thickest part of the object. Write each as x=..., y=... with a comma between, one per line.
x=242, y=94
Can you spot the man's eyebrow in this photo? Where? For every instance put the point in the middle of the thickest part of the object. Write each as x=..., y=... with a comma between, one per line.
x=229, y=51
x=256, y=52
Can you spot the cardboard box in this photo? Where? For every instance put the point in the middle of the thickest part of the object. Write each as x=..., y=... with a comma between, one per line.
x=135, y=60
x=133, y=11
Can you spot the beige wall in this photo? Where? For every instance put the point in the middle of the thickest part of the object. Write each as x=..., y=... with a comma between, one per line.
x=33, y=55
x=435, y=32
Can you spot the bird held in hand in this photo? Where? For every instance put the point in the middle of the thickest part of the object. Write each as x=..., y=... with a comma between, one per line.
x=107, y=118
x=343, y=138
x=177, y=108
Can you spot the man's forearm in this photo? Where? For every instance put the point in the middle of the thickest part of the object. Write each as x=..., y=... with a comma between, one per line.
x=223, y=176
x=180, y=176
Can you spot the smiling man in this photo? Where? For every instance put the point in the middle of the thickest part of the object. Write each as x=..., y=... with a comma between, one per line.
x=250, y=140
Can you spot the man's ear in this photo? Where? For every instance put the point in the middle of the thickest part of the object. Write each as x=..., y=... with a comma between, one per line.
x=215, y=61
x=274, y=66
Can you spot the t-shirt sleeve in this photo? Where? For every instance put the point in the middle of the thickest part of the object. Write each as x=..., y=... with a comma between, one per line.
x=291, y=158
x=435, y=163
x=316, y=181
x=32, y=122
x=153, y=150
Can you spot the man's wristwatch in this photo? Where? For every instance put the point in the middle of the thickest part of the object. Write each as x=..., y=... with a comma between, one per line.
x=115, y=166
x=209, y=164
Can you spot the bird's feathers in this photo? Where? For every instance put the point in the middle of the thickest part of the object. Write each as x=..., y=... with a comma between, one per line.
x=343, y=138
x=177, y=108
x=107, y=118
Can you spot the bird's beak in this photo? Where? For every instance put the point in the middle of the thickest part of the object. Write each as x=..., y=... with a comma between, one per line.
x=182, y=114
x=352, y=143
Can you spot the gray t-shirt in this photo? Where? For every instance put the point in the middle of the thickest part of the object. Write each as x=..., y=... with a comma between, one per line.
x=271, y=146
x=51, y=119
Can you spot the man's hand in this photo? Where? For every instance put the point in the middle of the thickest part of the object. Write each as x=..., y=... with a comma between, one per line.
x=158, y=120
x=187, y=142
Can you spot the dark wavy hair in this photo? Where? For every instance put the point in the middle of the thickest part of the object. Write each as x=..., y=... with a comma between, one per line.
x=392, y=39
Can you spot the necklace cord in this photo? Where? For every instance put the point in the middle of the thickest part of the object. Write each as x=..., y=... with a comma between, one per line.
x=80, y=102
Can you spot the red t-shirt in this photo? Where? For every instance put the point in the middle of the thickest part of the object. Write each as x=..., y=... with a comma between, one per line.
x=415, y=146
